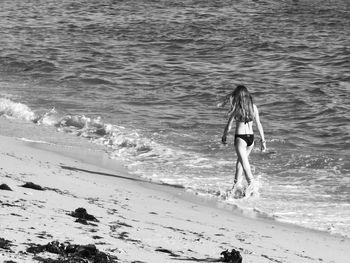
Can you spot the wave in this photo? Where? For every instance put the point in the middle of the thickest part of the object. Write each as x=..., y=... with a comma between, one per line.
x=96, y=81
x=9, y=64
x=143, y=154
x=94, y=129
x=11, y=109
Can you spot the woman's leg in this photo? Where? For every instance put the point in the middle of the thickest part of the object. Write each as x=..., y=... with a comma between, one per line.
x=243, y=152
x=237, y=188
x=238, y=175
x=239, y=169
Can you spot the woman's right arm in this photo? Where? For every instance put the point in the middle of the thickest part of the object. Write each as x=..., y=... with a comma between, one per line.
x=227, y=129
x=260, y=128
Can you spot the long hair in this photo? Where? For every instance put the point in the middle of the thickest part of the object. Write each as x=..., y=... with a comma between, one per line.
x=241, y=102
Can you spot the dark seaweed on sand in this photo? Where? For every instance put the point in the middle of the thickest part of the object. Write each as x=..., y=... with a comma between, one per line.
x=5, y=244
x=5, y=187
x=70, y=253
x=33, y=186
x=163, y=250
x=81, y=213
x=231, y=257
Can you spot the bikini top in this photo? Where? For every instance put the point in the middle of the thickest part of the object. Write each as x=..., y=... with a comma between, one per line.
x=244, y=120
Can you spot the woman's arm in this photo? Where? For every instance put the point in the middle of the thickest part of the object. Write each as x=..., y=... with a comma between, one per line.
x=227, y=129
x=260, y=128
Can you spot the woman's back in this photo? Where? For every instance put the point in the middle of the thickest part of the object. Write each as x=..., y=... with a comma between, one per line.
x=243, y=127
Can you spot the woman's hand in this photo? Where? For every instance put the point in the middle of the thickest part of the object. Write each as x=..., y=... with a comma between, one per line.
x=263, y=146
x=223, y=139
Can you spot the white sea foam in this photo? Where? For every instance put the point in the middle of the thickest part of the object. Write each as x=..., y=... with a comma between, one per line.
x=11, y=109
x=198, y=172
x=49, y=118
x=35, y=141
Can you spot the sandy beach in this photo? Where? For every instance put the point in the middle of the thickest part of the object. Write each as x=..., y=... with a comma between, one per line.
x=111, y=139
x=132, y=220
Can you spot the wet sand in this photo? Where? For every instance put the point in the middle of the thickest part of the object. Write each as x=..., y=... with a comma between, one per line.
x=135, y=221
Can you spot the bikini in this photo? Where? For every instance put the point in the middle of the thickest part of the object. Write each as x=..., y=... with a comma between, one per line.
x=248, y=138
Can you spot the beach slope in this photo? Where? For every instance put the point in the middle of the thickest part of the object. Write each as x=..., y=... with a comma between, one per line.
x=53, y=196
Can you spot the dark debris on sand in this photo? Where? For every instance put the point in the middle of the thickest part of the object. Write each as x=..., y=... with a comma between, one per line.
x=5, y=244
x=5, y=187
x=231, y=257
x=70, y=253
x=7, y=204
x=83, y=216
x=163, y=250
x=33, y=186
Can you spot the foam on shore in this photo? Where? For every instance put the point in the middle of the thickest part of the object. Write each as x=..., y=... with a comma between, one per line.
x=137, y=220
x=158, y=157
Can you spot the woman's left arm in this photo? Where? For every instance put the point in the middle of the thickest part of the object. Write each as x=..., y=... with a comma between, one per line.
x=260, y=128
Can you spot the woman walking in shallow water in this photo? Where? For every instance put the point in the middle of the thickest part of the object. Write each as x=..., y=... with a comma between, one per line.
x=243, y=111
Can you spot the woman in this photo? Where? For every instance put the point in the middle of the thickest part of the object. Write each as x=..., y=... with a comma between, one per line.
x=243, y=111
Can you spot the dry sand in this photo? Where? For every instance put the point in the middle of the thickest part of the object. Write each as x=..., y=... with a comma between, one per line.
x=137, y=221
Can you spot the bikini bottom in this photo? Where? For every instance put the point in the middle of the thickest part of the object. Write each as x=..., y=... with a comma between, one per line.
x=248, y=138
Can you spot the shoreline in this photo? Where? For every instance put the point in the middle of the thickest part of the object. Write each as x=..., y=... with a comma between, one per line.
x=138, y=220
x=101, y=159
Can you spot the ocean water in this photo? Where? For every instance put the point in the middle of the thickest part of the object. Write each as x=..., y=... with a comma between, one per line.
x=142, y=79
